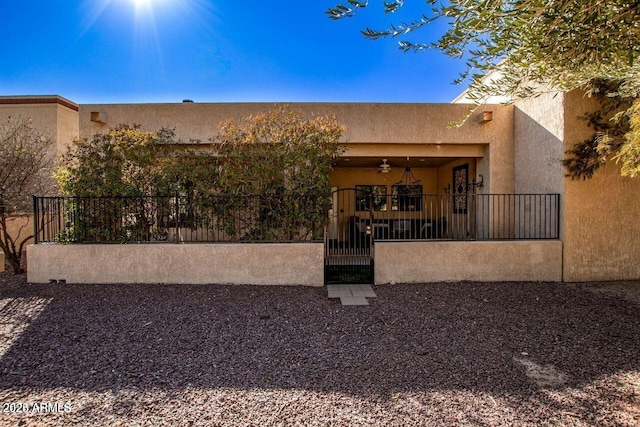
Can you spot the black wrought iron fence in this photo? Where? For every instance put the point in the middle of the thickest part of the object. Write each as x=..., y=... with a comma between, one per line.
x=516, y=216
x=295, y=218
x=449, y=217
x=147, y=219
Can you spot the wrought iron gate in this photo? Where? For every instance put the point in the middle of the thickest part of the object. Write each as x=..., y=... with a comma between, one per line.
x=349, y=239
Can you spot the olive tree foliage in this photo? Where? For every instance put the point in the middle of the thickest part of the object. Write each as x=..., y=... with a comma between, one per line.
x=628, y=151
x=25, y=170
x=528, y=47
x=617, y=133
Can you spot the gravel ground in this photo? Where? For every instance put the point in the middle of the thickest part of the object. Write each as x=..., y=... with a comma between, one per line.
x=423, y=354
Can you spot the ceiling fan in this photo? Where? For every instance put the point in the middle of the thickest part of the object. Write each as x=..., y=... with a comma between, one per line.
x=384, y=167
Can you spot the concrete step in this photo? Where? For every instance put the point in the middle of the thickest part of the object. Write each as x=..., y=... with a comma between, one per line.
x=351, y=294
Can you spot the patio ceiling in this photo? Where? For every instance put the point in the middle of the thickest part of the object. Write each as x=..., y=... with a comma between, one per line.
x=394, y=162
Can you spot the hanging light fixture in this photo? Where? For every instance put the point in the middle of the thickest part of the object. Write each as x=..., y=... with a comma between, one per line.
x=407, y=177
x=384, y=167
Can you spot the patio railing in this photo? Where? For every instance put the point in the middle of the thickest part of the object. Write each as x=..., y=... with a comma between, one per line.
x=149, y=219
x=295, y=218
x=466, y=217
x=442, y=217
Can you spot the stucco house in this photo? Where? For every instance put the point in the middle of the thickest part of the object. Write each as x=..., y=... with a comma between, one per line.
x=486, y=201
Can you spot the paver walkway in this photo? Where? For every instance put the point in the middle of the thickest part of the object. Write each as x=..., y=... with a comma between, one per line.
x=351, y=294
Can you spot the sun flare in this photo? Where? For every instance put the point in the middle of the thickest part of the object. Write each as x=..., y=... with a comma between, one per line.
x=141, y=19
x=141, y=3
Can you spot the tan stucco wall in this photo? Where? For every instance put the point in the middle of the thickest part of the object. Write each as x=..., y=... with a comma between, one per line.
x=254, y=264
x=538, y=131
x=53, y=119
x=68, y=128
x=365, y=122
x=372, y=129
x=601, y=214
x=44, y=118
x=381, y=130
x=20, y=227
x=417, y=262
x=497, y=163
x=539, y=127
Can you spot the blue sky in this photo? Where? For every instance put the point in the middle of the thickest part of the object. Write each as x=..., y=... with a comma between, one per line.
x=109, y=51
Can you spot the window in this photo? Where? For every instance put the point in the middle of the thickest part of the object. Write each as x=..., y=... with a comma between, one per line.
x=406, y=197
x=367, y=194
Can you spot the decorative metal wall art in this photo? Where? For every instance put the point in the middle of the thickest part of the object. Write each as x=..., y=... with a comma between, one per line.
x=460, y=188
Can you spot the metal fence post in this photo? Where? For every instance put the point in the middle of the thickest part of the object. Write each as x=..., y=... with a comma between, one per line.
x=557, y=236
x=35, y=220
x=177, y=237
